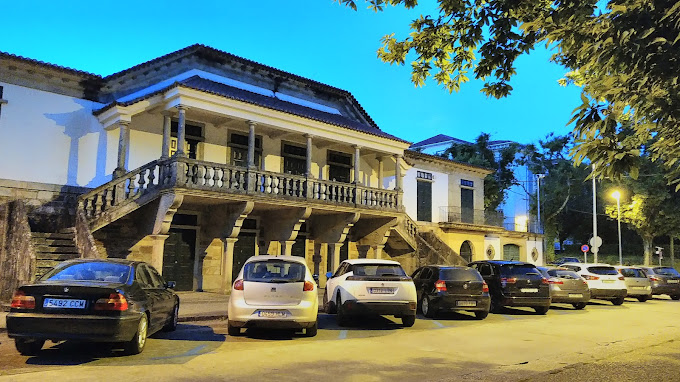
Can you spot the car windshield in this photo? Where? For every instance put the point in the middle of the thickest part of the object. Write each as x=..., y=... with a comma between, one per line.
x=90, y=271
x=459, y=274
x=544, y=272
x=378, y=270
x=274, y=271
x=667, y=271
x=519, y=270
x=603, y=270
x=564, y=274
x=632, y=272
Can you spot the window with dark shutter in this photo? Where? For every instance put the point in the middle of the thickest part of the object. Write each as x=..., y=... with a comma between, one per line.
x=294, y=159
x=424, y=201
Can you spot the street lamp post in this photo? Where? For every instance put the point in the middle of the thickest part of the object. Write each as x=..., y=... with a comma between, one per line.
x=617, y=195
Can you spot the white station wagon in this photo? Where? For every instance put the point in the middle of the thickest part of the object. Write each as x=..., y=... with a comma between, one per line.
x=370, y=286
x=276, y=292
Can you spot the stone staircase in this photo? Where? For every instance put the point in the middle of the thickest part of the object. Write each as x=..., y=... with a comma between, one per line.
x=53, y=248
x=432, y=250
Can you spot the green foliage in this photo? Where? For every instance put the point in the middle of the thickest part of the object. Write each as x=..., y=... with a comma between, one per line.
x=624, y=54
x=479, y=154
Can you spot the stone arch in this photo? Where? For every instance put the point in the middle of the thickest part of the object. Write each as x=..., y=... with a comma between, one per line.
x=466, y=251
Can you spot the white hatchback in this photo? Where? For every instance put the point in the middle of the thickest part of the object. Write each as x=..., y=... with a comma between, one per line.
x=276, y=292
x=604, y=281
x=370, y=286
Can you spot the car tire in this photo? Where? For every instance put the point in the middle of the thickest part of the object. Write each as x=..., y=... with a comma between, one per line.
x=311, y=331
x=171, y=325
x=28, y=346
x=138, y=342
x=618, y=301
x=232, y=330
x=480, y=315
x=643, y=298
x=408, y=321
x=579, y=305
x=329, y=305
x=426, y=307
x=341, y=317
x=542, y=309
x=675, y=297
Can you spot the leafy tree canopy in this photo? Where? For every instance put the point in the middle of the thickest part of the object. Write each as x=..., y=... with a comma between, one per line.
x=622, y=52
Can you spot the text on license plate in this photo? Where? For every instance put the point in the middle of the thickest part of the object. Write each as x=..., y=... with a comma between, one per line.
x=466, y=303
x=381, y=290
x=271, y=314
x=638, y=287
x=672, y=281
x=608, y=281
x=575, y=295
x=529, y=290
x=63, y=303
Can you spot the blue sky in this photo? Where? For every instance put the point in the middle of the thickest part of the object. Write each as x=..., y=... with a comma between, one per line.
x=318, y=39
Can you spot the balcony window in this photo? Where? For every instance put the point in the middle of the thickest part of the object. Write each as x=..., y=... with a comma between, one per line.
x=193, y=134
x=339, y=166
x=238, y=145
x=294, y=159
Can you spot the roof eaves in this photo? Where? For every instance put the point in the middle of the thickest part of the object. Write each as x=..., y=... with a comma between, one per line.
x=51, y=66
x=423, y=156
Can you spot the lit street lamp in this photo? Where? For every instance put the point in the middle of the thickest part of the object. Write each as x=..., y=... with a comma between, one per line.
x=617, y=195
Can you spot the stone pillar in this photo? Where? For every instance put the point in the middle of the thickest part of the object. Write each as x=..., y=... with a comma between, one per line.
x=251, y=145
x=157, y=252
x=165, y=150
x=357, y=164
x=334, y=254
x=227, y=264
x=381, y=172
x=181, y=131
x=377, y=251
x=397, y=173
x=309, y=155
x=363, y=251
x=286, y=247
x=123, y=143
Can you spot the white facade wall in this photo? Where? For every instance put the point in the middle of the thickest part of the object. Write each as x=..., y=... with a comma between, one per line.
x=440, y=192
x=538, y=246
x=495, y=244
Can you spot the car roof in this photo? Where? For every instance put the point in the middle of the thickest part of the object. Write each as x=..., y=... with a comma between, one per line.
x=371, y=261
x=588, y=264
x=627, y=267
x=296, y=259
x=502, y=262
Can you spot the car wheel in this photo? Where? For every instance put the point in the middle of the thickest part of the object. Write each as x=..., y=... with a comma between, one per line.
x=233, y=330
x=171, y=326
x=136, y=345
x=675, y=297
x=408, y=321
x=341, y=317
x=541, y=309
x=643, y=298
x=579, y=305
x=311, y=331
x=480, y=315
x=618, y=301
x=28, y=346
x=426, y=307
x=330, y=305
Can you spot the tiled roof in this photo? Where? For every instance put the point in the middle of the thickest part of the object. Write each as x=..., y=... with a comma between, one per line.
x=52, y=66
x=439, y=138
x=418, y=155
x=216, y=88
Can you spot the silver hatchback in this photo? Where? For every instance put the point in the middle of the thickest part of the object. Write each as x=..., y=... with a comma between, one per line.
x=637, y=283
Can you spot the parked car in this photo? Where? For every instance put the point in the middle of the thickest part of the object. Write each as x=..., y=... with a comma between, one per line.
x=637, y=283
x=108, y=300
x=665, y=280
x=451, y=288
x=566, y=287
x=514, y=283
x=276, y=292
x=370, y=286
x=563, y=260
x=604, y=281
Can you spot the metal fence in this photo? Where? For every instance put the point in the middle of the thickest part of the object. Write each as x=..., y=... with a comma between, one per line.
x=456, y=214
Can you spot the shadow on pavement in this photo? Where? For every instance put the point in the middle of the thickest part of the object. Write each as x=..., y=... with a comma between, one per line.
x=329, y=322
x=458, y=316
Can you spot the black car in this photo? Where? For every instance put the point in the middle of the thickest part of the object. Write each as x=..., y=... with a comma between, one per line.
x=514, y=283
x=106, y=300
x=450, y=288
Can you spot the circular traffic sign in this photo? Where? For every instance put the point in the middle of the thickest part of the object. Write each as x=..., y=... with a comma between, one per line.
x=596, y=241
x=585, y=248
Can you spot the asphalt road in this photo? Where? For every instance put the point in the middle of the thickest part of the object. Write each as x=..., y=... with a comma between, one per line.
x=633, y=342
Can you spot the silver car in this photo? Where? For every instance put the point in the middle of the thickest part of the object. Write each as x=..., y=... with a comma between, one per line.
x=637, y=283
x=665, y=280
x=276, y=292
x=566, y=287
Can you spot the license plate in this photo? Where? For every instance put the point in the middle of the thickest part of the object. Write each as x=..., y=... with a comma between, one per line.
x=575, y=295
x=62, y=303
x=673, y=281
x=466, y=303
x=271, y=314
x=608, y=281
x=529, y=290
x=381, y=290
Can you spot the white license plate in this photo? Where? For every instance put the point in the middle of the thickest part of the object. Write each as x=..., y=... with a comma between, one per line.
x=673, y=281
x=638, y=287
x=529, y=290
x=381, y=290
x=63, y=303
x=608, y=281
x=466, y=303
x=575, y=295
x=271, y=314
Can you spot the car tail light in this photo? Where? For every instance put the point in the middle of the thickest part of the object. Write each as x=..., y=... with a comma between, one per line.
x=115, y=301
x=21, y=301
x=622, y=278
x=554, y=280
x=589, y=277
x=485, y=287
x=309, y=286
x=545, y=281
x=238, y=284
x=654, y=278
x=440, y=285
x=509, y=280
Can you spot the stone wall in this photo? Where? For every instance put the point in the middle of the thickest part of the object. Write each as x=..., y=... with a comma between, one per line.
x=17, y=257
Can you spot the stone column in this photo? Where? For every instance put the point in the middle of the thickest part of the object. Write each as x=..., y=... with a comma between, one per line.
x=286, y=247
x=123, y=143
x=309, y=155
x=181, y=131
x=334, y=254
x=381, y=172
x=357, y=164
x=397, y=173
x=165, y=150
x=377, y=251
x=251, y=145
x=227, y=264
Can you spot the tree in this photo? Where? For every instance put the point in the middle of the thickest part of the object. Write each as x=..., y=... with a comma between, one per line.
x=480, y=154
x=622, y=52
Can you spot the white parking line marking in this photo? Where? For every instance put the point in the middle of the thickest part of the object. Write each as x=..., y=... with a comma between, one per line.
x=508, y=317
x=438, y=324
x=342, y=335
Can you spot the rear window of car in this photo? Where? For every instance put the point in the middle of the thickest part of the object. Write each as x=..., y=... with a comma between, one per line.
x=90, y=271
x=378, y=270
x=519, y=270
x=632, y=272
x=564, y=274
x=274, y=271
x=544, y=272
x=459, y=274
x=667, y=271
x=603, y=270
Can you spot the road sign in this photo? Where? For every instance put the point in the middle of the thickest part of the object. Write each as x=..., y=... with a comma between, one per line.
x=596, y=242
x=585, y=248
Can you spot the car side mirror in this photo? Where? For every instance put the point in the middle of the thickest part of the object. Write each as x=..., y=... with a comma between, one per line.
x=329, y=275
x=170, y=285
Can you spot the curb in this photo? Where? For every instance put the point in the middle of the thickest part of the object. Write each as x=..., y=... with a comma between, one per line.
x=207, y=317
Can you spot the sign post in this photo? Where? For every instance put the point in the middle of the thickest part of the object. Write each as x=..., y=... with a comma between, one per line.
x=584, y=249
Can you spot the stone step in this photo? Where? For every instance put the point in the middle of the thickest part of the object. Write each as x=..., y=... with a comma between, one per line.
x=52, y=242
x=54, y=249
x=51, y=235
x=56, y=256
x=68, y=230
